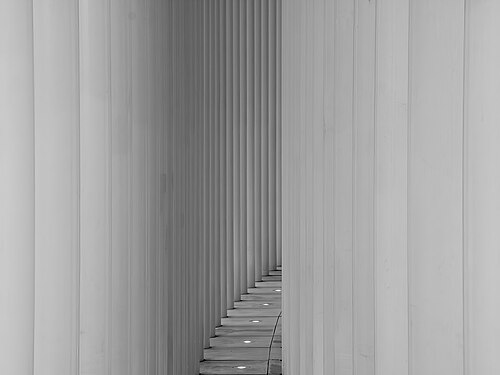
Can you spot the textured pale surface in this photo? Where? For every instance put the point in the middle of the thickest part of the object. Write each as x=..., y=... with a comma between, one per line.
x=390, y=187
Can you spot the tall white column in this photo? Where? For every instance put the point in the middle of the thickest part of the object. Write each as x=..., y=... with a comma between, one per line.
x=263, y=42
x=257, y=5
x=253, y=221
x=230, y=146
x=222, y=154
x=57, y=190
x=391, y=155
x=17, y=229
x=246, y=277
x=272, y=124
x=236, y=150
x=121, y=162
x=279, y=138
x=206, y=171
x=435, y=178
x=481, y=187
x=95, y=188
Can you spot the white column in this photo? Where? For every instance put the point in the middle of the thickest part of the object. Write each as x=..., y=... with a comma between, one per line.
x=272, y=121
x=292, y=29
x=245, y=273
x=257, y=5
x=17, y=230
x=279, y=136
x=197, y=53
x=236, y=150
x=57, y=191
x=222, y=153
x=216, y=127
x=363, y=194
x=391, y=160
x=329, y=287
x=95, y=188
x=230, y=128
x=264, y=120
x=253, y=220
x=206, y=170
x=211, y=127
x=435, y=187
x=121, y=161
x=320, y=171
x=170, y=143
x=481, y=184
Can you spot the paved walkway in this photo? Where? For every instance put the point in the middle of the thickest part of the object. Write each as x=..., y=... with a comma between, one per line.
x=249, y=340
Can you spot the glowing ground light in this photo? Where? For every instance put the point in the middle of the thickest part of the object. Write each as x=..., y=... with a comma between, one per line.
x=277, y=290
x=255, y=321
x=265, y=304
x=247, y=341
x=241, y=367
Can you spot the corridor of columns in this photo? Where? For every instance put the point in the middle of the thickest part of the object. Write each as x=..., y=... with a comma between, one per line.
x=249, y=187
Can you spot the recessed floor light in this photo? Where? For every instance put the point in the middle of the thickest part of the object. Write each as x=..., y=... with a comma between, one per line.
x=277, y=290
x=255, y=321
x=241, y=367
x=247, y=341
x=265, y=304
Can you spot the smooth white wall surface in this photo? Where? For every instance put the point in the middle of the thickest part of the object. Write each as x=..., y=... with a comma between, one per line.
x=390, y=187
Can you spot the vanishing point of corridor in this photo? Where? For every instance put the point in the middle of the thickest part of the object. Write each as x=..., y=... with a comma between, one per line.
x=249, y=339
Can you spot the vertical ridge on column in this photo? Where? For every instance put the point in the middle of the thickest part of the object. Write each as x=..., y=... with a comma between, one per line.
x=264, y=120
x=206, y=171
x=211, y=127
x=252, y=221
x=57, y=178
x=222, y=154
x=230, y=125
x=481, y=186
x=217, y=169
x=257, y=138
x=17, y=187
x=279, y=133
x=243, y=159
x=272, y=123
x=236, y=150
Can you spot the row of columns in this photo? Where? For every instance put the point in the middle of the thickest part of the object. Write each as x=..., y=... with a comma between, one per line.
x=139, y=169
x=98, y=208
x=241, y=160
x=391, y=181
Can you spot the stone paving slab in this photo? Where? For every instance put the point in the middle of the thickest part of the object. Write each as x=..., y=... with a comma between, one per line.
x=268, y=284
x=231, y=341
x=271, y=304
x=249, y=312
x=255, y=321
x=271, y=278
x=236, y=354
x=235, y=331
x=231, y=367
x=265, y=290
x=276, y=297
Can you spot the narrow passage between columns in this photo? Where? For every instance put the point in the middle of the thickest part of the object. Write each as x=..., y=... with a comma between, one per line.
x=249, y=339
